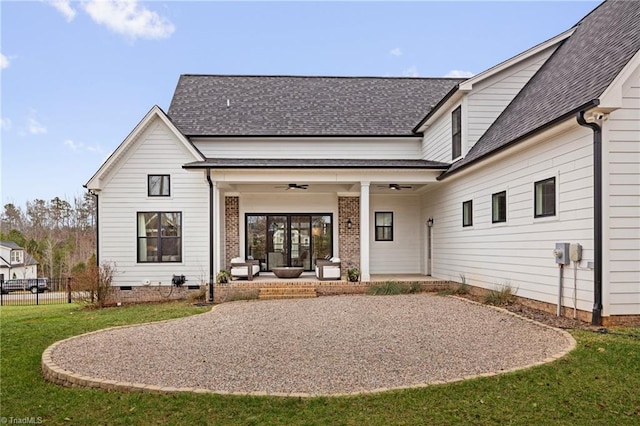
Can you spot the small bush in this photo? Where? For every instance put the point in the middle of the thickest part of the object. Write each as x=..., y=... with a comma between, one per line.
x=463, y=287
x=243, y=295
x=500, y=297
x=199, y=296
x=390, y=288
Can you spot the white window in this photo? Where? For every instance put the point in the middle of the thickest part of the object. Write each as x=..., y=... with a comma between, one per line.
x=17, y=256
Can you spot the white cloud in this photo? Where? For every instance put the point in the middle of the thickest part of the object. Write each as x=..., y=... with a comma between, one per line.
x=79, y=146
x=412, y=71
x=128, y=18
x=459, y=74
x=4, y=61
x=64, y=7
x=34, y=126
x=396, y=52
x=5, y=123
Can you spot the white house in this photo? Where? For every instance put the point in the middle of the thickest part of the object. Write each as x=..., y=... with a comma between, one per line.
x=477, y=178
x=16, y=263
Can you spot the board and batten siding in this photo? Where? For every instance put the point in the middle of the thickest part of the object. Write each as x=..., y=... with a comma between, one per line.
x=518, y=253
x=622, y=202
x=125, y=194
x=342, y=148
x=403, y=255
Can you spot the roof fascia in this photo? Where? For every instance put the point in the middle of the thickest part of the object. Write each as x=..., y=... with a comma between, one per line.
x=154, y=112
x=204, y=165
x=467, y=85
x=589, y=105
x=450, y=99
x=611, y=98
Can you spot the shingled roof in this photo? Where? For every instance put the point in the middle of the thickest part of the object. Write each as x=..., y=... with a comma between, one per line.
x=218, y=105
x=576, y=74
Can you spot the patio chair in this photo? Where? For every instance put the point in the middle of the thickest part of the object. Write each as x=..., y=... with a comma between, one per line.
x=328, y=269
x=241, y=268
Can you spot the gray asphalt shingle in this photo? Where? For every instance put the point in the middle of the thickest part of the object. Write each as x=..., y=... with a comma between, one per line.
x=288, y=105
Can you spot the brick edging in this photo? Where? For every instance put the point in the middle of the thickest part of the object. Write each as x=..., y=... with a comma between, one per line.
x=55, y=374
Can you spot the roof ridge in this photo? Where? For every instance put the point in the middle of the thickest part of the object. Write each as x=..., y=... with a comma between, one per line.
x=320, y=76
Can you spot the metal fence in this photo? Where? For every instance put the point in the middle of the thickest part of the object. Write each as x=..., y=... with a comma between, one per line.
x=59, y=290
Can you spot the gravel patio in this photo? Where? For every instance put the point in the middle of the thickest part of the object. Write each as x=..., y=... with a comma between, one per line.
x=321, y=346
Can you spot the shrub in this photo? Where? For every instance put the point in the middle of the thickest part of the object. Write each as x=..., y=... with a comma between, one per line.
x=94, y=283
x=200, y=296
x=390, y=288
x=223, y=277
x=500, y=297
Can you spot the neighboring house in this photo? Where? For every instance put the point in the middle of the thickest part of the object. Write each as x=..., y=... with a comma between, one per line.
x=16, y=263
x=477, y=178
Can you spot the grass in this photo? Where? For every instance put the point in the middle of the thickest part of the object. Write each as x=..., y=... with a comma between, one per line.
x=390, y=288
x=595, y=384
x=504, y=295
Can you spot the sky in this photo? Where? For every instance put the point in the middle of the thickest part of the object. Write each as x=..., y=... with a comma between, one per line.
x=77, y=76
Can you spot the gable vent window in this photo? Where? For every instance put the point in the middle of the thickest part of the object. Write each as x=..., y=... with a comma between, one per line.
x=467, y=213
x=499, y=207
x=158, y=185
x=545, y=198
x=456, y=133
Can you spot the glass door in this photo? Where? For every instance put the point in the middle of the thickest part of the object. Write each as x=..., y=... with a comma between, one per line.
x=301, y=241
x=277, y=241
x=288, y=239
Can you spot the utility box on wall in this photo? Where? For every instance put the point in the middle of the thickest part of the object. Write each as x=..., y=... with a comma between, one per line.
x=561, y=253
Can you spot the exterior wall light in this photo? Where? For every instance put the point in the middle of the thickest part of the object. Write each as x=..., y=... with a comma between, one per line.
x=430, y=222
x=349, y=224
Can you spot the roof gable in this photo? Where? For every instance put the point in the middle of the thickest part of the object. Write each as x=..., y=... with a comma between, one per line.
x=574, y=77
x=156, y=112
x=213, y=105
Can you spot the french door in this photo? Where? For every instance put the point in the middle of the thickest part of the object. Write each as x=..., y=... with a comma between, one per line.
x=289, y=239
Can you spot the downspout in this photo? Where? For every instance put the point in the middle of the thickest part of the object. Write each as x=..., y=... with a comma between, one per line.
x=596, y=316
x=95, y=194
x=211, y=269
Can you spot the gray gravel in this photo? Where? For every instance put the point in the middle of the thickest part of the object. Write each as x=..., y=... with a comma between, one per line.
x=326, y=345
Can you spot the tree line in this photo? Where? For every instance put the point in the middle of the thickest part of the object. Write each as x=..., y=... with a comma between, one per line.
x=59, y=234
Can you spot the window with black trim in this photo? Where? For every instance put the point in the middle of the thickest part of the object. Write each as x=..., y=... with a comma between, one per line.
x=159, y=237
x=467, y=213
x=384, y=226
x=545, y=198
x=158, y=185
x=499, y=207
x=456, y=133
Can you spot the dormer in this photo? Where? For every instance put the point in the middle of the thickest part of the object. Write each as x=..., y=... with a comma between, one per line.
x=458, y=121
x=17, y=257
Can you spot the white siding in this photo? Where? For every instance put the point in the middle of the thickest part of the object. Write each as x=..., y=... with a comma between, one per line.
x=403, y=255
x=480, y=107
x=383, y=148
x=436, y=144
x=487, y=101
x=518, y=252
x=622, y=141
x=125, y=193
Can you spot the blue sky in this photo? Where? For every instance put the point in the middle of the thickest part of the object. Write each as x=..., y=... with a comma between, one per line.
x=77, y=76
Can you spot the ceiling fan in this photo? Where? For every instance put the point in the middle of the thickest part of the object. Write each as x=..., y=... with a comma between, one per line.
x=396, y=187
x=294, y=186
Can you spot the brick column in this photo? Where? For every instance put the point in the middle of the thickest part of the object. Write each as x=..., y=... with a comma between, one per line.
x=231, y=229
x=349, y=239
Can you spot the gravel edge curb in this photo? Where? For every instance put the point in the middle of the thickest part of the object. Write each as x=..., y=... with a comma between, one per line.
x=55, y=374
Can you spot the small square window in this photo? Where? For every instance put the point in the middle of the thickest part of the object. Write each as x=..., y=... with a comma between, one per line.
x=158, y=185
x=545, y=198
x=467, y=213
x=499, y=207
x=384, y=226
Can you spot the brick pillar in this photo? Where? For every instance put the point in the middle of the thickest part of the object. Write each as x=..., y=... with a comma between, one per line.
x=349, y=239
x=231, y=229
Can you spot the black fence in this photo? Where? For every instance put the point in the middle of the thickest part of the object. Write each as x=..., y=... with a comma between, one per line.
x=41, y=291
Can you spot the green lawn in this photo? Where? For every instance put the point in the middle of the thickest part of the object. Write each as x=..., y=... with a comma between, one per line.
x=598, y=383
